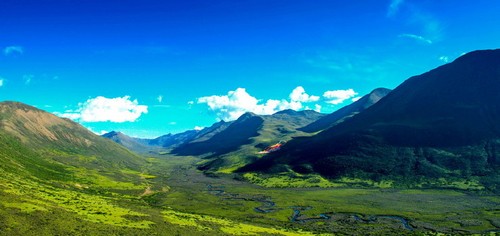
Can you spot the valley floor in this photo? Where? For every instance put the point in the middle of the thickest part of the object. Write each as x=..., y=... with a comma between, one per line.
x=177, y=199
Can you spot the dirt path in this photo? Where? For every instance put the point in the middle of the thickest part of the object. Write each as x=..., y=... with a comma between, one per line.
x=147, y=191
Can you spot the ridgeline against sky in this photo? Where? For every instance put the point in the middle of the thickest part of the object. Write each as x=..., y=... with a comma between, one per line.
x=152, y=67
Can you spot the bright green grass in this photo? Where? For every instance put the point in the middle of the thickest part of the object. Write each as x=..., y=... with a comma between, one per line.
x=366, y=182
x=285, y=181
x=209, y=223
x=24, y=206
x=94, y=208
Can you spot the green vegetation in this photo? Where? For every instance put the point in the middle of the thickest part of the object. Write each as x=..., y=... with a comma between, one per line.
x=287, y=180
x=103, y=202
x=59, y=189
x=208, y=223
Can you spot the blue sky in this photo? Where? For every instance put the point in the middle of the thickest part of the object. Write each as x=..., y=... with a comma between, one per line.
x=148, y=68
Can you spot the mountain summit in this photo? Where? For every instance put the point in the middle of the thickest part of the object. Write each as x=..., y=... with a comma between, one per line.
x=347, y=111
x=46, y=133
x=441, y=123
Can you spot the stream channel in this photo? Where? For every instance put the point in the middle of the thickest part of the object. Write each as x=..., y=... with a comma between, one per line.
x=267, y=206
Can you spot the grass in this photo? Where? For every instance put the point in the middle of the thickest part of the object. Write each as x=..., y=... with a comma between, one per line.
x=209, y=223
x=286, y=181
x=28, y=196
x=40, y=195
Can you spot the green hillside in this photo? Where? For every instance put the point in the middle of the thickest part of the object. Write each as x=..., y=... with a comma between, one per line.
x=56, y=174
x=57, y=178
x=441, y=124
x=239, y=143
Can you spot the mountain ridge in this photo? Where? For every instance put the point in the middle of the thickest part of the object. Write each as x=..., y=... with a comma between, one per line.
x=346, y=111
x=43, y=132
x=424, y=127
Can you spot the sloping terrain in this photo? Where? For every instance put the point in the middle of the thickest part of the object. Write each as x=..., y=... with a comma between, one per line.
x=208, y=132
x=228, y=140
x=443, y=123
x=59, y=138
x=346, y=112
x=240, y=142
x=58, y=178
x=53, y=170
x=133, y=144
x=172, y=140
x=151, y=146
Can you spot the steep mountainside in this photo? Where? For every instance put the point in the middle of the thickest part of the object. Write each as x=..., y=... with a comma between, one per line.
x=133, y=144
x=240, y=142
x=346, y=112
x=209, y=132
x=156, y=145
x=173, y=140
x=230, y=139
x=58, y=138
x=56, y=177
x=445, y=122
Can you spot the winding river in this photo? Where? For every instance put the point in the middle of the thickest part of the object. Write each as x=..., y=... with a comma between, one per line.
x=267, y=206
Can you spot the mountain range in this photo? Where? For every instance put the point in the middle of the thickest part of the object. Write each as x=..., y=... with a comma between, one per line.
x=443, y=123
x=435, y=130
x=227, y=137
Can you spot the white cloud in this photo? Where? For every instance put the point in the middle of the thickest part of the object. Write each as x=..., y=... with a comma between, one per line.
x=190, y=102
x=159, y=98
x=444, y=59
x=317, y=108
x=355, y=99
x=236, y=103
x=198, y=128
x=416, y=37
x=338, y=96
x=101, y=109
x=299, y=95
x=1, y=81
x=394, y=7
x=13, y=50
x=172, y=123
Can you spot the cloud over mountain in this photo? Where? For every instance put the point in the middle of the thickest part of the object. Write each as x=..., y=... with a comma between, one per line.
x=239, y=101
x=102, y=109
x=338, y=96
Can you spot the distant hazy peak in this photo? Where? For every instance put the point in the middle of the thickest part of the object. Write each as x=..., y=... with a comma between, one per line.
x=287, y=111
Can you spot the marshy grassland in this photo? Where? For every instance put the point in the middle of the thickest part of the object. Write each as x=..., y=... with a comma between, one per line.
x=169, y=196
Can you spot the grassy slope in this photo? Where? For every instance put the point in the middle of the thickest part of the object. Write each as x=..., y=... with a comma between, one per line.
x=42, y=197
x=56, y=178
x=441, y=124
x=273, y=129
